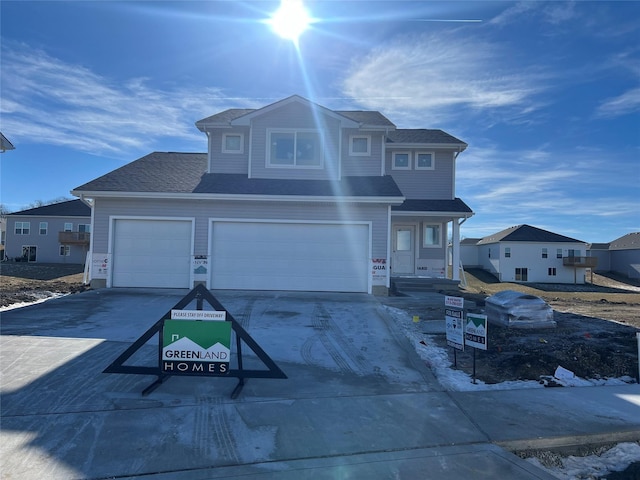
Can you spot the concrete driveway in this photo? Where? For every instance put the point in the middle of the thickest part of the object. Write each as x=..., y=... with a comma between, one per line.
x=358, y=402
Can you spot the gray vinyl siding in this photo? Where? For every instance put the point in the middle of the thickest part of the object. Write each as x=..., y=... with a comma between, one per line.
x=294, y=116
x=229, y=162
x=423, y=184
x=47, y=246
x=626, y=262
x=204, y=210
x=362, y=165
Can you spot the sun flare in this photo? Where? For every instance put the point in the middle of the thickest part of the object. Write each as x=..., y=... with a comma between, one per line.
x=290, y=20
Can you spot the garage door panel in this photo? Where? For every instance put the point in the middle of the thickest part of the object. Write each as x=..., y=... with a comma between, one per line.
x=152, y=253
x=285, y=256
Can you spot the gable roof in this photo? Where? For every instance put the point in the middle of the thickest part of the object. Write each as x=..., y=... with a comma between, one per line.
x=469, y=241
x=70, y=208
x=423, y=135
x=441, y=206
x=241, y=116
x=185, y=173
x=526, y=233
x=630, y=241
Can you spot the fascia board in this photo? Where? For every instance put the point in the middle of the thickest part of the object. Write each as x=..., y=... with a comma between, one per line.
x=422, y=213
x=455, y=146
x=241, y=197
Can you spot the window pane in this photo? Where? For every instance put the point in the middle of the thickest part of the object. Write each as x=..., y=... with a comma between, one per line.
x=68, y=227
x=308, y=149
x=401, y=160
x=232, y=142
x=403, y=240
x=282, y=148
x=360, y=145
x=43, y=228
x=432, y=235
x=425, y=160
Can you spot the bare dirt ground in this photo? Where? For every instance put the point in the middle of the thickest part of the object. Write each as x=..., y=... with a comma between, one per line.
x=595, y=336
x=29, y=282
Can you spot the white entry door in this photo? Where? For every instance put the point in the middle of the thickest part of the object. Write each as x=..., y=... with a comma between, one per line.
x=404, y=256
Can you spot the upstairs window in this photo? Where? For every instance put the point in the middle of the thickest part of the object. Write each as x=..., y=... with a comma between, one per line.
x=545, y=253
x=44, y=226
x=507, y=252
x=295, y=149
x=232, y=143
x=360, y=145
x=23, y=228
x=559, y=253
x=432, y=236
x=84, y=227
x=68, y=227
x=401, y=160
x=425, y=161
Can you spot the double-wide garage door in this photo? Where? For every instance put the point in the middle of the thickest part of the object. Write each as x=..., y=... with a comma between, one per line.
x=290, y=256
x=151, y=253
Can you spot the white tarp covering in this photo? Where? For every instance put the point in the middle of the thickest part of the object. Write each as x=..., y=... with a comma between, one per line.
x=518, y=310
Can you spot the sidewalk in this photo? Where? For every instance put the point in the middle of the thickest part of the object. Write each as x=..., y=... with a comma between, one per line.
x=358, y=402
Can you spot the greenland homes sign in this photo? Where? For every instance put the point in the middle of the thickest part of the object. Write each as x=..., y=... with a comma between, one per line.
x=197, y=347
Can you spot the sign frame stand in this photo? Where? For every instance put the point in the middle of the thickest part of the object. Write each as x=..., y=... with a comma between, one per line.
x=199, y=294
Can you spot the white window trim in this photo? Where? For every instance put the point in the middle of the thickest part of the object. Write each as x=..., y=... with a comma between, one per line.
x=70, y=229
x=393, y=161
x=360, y=154
x=224, y=142
x=424, y=236
x=65, y=251
x=22, y=228
x=295, y=131
x=46, y=228
x=433, y=161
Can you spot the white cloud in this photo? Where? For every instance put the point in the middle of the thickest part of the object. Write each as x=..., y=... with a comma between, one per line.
x=626, y=103
x=47, y=100
x=441, y=74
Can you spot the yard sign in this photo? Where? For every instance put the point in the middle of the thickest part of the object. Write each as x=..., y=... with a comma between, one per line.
x=476, y=331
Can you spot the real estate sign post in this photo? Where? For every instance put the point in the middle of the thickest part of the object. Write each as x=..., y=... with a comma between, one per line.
x=454, y=327
x=476, y=335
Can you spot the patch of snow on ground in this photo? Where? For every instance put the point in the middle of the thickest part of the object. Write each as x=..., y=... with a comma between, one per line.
x=437, y=359
x=42, y=297
x=617, y=459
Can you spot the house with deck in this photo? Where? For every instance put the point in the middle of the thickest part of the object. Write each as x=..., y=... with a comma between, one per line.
x=56, y=233
x=529, y=254
x=290, y=196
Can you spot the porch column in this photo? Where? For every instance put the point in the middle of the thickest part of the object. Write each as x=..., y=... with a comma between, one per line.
x=455, y=250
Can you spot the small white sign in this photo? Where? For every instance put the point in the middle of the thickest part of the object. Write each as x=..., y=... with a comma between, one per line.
x=454, y=302
x=454, y=328
x=378, y=271
x=100, y=265
x=198, y=315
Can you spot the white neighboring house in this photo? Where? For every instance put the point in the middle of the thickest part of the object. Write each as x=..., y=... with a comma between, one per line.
x=621, y=256
x=528, y=254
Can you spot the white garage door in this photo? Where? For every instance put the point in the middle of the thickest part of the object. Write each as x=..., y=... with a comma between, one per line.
x=151, y=253
x=290, y=256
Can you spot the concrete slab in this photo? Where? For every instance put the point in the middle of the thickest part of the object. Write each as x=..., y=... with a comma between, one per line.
x=358, y=403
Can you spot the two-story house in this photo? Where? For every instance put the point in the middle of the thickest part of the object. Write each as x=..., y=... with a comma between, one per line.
x=56, y=233
x=291, y=196
x=529, y=254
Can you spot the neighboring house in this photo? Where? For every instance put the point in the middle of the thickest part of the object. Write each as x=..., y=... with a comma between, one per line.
x=528, y=254
x=469, y=252
x=621, y=256
x=5, y=144
x=291, y=196
x=56, y=233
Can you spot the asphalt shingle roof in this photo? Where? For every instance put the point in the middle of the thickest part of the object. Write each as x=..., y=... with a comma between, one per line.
x=526, y=233
x=456, y=206
x=630, y=241
x=71, y=208
x=167, y=172
x=185, y=173
x=422, y=135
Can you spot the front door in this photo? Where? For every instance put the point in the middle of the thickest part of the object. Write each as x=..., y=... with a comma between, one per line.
x=403, y=256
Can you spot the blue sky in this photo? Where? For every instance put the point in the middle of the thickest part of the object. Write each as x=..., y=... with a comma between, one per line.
x=547, y=95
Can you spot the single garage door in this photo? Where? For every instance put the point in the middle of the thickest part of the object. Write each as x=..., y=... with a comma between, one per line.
x=151, y=253
x=290, y=256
